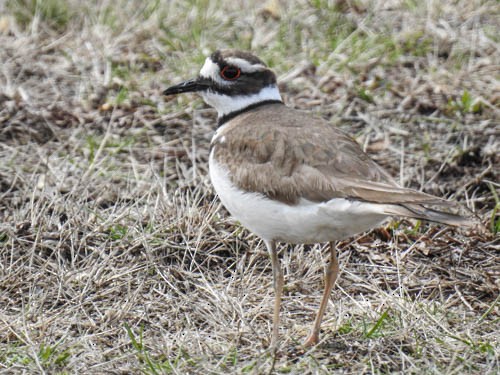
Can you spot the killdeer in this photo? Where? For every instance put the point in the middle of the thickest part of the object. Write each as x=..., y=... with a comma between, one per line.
x=290, y=177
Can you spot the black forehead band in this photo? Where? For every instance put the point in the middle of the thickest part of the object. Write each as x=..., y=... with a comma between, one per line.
x=219, y=56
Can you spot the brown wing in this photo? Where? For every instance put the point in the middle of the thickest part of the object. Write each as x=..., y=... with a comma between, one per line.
x=306, y=157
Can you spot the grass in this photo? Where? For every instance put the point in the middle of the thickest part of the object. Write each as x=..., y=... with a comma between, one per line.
x=115, y=254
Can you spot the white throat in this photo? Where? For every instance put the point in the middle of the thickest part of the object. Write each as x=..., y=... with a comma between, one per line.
x=225, y=104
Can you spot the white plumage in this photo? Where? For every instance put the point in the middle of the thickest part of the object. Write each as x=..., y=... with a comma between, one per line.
x=305, y=222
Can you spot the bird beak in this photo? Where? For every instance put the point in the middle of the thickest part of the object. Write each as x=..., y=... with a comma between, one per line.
x=192, y=85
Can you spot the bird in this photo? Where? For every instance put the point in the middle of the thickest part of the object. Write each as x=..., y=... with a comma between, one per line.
x=288, y=176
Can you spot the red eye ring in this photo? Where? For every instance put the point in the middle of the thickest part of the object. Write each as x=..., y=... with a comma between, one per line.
x=230, y=73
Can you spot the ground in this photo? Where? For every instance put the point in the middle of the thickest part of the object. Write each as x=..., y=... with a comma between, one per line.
x=117, y=257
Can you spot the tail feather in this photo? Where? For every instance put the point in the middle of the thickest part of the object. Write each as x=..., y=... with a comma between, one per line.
x=424, y=213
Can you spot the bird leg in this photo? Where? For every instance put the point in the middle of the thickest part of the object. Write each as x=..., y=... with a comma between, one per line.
x=331, y=274
x=278, y=290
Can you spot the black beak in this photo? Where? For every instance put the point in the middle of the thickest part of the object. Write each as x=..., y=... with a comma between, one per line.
x=193, y=85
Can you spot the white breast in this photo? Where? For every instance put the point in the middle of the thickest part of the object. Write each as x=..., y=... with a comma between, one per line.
x=306, y=222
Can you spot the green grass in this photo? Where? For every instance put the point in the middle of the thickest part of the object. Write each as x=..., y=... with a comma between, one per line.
x=150, y=365
x=377, y=328
x=52, y=13
x=465, y=104
x=48, y=357
x=494, y=219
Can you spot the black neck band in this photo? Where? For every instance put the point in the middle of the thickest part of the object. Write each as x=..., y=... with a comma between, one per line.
x=222, y=120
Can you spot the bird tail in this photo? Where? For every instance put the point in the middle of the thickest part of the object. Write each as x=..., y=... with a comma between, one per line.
x=417, y=211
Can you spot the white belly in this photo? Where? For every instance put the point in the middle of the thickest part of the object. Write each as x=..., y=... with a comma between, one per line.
x=306, y=222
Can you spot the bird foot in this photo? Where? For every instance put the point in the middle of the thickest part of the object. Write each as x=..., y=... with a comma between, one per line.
x=312, y=340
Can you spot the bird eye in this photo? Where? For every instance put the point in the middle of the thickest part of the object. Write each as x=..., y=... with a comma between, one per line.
x=230, y=73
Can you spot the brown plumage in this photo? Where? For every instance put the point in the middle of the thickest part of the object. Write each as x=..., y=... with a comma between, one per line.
x=306, y=157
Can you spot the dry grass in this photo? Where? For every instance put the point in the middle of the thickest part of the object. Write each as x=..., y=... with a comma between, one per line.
x=116, y=257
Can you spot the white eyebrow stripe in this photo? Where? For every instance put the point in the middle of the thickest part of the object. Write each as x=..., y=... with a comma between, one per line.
x=209, y=69
x=245, y=65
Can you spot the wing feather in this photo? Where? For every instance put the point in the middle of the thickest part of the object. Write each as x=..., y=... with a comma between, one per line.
x=308, y=158
x=315, y=161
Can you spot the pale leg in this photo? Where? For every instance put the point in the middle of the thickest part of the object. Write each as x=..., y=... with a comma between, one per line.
x=278, y=290
x=331, y=274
